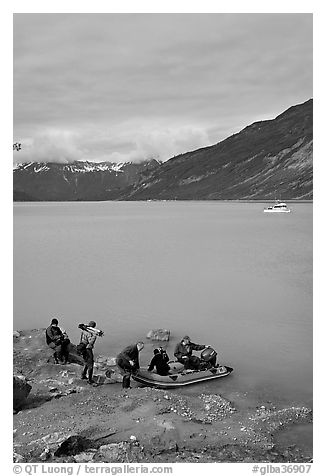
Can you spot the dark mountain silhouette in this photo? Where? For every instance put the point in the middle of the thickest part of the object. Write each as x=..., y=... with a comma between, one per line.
x=78, y=180
x=266, y=160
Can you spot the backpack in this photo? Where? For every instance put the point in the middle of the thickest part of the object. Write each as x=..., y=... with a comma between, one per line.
x=47, y=338
x=81, y=348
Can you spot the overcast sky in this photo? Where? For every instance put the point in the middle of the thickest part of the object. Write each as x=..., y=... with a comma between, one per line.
x=123, y=87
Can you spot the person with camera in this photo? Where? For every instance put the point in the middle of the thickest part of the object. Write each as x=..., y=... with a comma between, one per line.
x=87, y=341
x=160, y=361
x=57, y=339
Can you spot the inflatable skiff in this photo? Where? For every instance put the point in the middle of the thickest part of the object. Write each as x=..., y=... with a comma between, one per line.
x=180, y=377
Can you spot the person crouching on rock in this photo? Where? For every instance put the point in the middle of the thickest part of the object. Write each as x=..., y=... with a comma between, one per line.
x=128, y=362
x=183, y=353
x=57, y=339
x=88, y=339
x=160, y=361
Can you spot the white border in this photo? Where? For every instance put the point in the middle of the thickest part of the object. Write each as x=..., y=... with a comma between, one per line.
x=167, y=6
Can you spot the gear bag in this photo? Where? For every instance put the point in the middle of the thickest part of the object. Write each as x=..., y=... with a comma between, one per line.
x=81, y=348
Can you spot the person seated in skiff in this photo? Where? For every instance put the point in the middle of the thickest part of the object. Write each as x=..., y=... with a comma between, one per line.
x=183, y=353
x=160, y=361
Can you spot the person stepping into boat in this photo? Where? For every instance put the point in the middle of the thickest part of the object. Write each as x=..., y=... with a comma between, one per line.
x=128, y=362
x=183, y=353
x=88, y=339
x=160, y=361
x=57, y=339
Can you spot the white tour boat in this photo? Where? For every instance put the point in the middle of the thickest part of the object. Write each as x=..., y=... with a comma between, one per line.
x=279, y=207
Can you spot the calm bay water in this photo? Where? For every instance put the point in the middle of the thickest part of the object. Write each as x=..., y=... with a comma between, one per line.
x=225, y=273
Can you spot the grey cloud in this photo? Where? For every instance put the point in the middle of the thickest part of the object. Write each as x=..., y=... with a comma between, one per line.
x=89, y=74
x=52, y=146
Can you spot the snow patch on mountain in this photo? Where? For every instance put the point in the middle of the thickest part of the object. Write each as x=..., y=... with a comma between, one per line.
x=117, y=167
x=40, y=168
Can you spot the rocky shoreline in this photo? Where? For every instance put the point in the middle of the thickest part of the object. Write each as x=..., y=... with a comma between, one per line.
x=63, y=419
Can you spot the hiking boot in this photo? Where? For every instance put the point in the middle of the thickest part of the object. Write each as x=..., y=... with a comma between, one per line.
x=126, y=381
x=84, y=373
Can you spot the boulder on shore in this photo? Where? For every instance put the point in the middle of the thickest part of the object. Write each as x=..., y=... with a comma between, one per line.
x=102, y=362
x=21, y=390
x=119, y=453
x=159, y=334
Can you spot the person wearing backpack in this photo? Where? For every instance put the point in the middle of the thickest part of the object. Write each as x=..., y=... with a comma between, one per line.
x=160, y=361
x=86, y=345
x=57, y=339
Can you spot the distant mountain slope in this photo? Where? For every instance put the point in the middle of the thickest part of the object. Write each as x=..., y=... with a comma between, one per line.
x=265, y=160
x=78, y=180
x=23, y=197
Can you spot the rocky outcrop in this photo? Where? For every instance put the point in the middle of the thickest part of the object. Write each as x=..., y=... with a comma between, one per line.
x=34, y=359
x=59, y=446
x=119, y=453
x=17, y=458
x=31, y=351
x=159, y=334
x=73, y=445
x=21, y=390
x=106, y=371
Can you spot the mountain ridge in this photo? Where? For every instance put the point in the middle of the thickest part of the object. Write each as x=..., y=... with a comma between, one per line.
x=265, y=160
x=78, y=180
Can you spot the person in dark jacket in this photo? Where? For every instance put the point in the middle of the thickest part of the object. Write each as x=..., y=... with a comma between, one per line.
x=183, y=353
x=57, y=339
x=88, y=339
x=160, y=361
x=128, y=362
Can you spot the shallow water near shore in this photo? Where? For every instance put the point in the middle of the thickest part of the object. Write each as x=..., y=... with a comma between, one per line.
x=225, y=273
x=300, y=435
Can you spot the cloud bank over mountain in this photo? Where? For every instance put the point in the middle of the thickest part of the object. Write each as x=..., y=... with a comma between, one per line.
x=125, y=86
x=65, y=147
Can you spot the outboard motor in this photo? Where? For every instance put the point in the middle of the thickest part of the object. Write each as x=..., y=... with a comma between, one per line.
x=208, y=359
x=208, y=354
